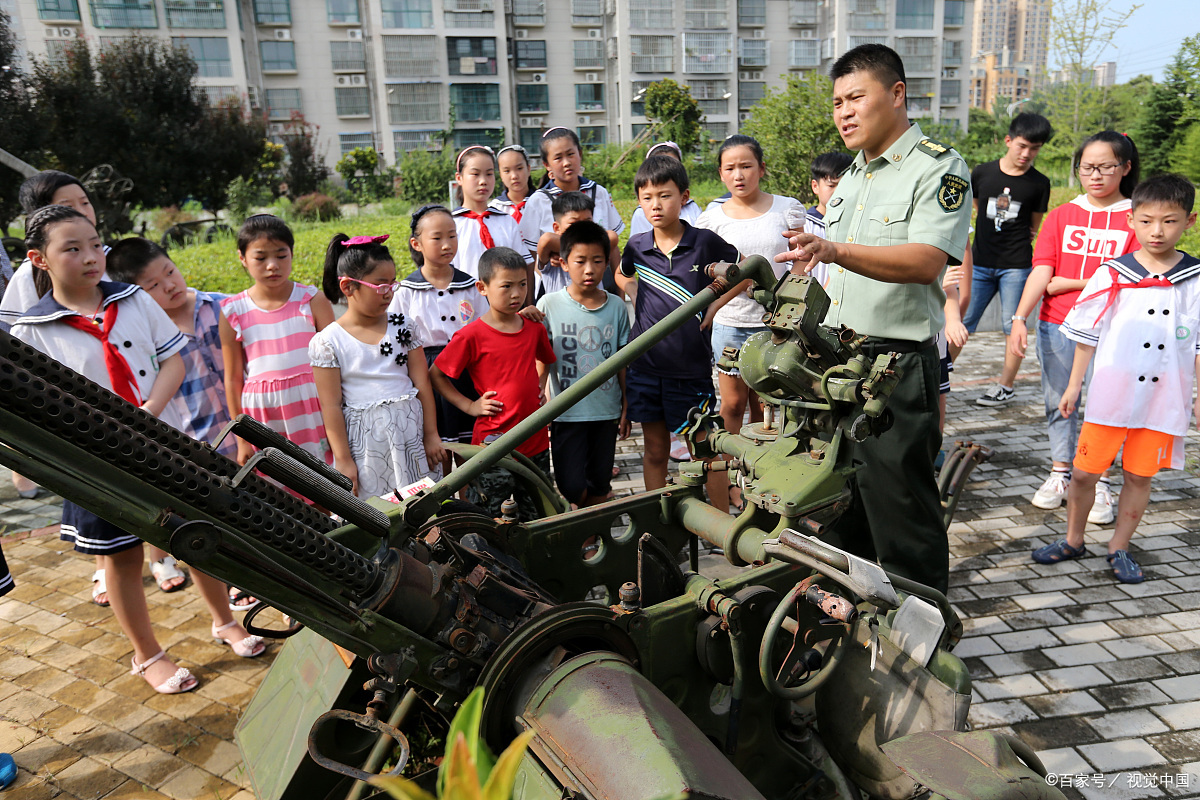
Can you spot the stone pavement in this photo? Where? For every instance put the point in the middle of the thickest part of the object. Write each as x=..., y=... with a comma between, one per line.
x=1102, y=679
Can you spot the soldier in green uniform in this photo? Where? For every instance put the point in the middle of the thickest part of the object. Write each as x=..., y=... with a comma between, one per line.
x=900, y=214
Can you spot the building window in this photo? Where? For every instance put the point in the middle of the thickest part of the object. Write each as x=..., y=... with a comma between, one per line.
x=470, y=19
x=529, y=12
x=652, y=15
x=65, y=10
x=56, y=51
x=916, y=53
x=652, y=53
x=465, y=137
x=855, y=41
x=588, y=13
x=750, y=92
x=471, y=56
x=124, y=14
x=211, y=54
x=272, y=12
x=354, y=141
x=195, y=13
x=955, y=12
x=952, y=53
x=708, y=90
x=638, y=128
x=592, y=136
x=707, y=52
x=531, y=54
x=348, y=56
x=219, y=95
x=414, y=102
x=532, y=98
x=753, y=52
x=951, y=92
x=283, y=103
x=531, y=140
x=475, y=102
x=802, y=12
x=715, y=132
x=406, y=141
x=713, y=106
x=868, y=15
x=278, y=56
x=589, y=97
x=914, y=14
x=637, y=106
x=342, y=12
x=410, y=57
x=706, y=14
x=352, y=101
x=407, y=13
x=589, y=54
x=804, y=53
x=752, y=13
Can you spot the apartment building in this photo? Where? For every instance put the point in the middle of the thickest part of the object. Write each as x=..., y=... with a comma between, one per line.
x=1011, y=43
x=396, y=73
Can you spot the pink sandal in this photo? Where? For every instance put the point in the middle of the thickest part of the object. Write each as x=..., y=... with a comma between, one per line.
x=249, y=647
x=182, y=681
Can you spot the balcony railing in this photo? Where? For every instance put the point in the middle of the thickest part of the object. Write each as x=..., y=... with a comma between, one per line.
x=195, y=13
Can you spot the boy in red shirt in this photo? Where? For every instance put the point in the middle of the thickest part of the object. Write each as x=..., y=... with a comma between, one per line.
x=500, y=350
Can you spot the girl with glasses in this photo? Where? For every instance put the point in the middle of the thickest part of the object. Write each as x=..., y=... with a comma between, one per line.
x=371, y=376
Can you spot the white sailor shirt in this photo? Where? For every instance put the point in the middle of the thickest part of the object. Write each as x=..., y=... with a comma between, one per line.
x=433, y=314
x=501, y=226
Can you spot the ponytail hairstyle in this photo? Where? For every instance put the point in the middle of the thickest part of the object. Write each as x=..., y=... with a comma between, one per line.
x=264, y=226
x=741, y=140
x=516, y=148
x=418, y=257
x=558, y=132
x=39, y=190
x=351, y=258
x=1125, y=151
x=465, y=153
x=37, y=237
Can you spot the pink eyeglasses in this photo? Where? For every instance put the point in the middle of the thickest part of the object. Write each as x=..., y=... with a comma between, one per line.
x=380, y=288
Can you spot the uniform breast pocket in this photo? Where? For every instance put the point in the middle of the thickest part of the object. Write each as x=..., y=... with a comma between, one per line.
x=833, y=217
x=888, y=224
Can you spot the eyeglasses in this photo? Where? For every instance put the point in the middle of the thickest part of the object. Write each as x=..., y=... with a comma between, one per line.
x=1104, y=169
x=381, y=289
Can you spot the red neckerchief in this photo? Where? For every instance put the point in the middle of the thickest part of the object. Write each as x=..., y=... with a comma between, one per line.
x=120, y=375
x=518, y=209
x=1116, y=288
x=484, y=234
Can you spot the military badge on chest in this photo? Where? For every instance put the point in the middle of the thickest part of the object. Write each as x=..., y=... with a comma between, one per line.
x=952, y=193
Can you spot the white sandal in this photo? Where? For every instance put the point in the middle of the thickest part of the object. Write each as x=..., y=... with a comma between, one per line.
x=167, y=570
x=249, y=647
x=99, y=587
x=182, y=681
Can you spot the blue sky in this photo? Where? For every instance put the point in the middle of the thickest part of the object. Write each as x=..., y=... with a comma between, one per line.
x=1152, y=37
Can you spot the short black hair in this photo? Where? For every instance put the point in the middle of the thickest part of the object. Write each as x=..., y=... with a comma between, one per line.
x=584, y=232
x=829, y=165
x=569, y=202
x=128, y=258
x=38, y=190
x=264, y=226
x=878, y=59
x=1033, y=128
x=1168, y=189
x=495, y=259
x=657, y=170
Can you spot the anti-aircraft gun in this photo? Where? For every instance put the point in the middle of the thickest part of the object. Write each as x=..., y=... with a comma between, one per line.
x=782, y=681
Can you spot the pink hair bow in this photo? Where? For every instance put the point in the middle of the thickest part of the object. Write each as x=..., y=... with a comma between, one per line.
x=366, y=240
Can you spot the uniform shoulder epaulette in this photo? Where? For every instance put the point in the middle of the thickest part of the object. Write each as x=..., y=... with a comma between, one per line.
x=932, y=147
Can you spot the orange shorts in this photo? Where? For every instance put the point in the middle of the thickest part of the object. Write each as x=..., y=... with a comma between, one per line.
x=1146, y=451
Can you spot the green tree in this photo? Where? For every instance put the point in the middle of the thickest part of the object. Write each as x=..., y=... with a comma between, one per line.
x=366, y=174
x=303, y=168
x=425, y=176
x=1081, y=30
x=794, y=125
x=19, y=134
x=674, y=114
x=1185, y=157
x=1161, y=125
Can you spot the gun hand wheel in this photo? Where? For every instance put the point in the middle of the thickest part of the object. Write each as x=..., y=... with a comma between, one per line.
x=809, y=643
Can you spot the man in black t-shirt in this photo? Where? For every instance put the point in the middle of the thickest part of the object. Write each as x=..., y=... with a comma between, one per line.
x=1010, y=199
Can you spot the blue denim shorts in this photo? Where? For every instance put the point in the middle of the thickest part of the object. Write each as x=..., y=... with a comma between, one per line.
x=728, y=336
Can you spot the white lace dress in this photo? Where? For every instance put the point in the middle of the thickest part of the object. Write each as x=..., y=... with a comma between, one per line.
x=384, y=419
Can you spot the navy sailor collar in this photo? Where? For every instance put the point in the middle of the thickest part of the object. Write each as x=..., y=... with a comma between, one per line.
x=553, y=189
x=48, y=309
x=418, y=281
x=1128, y=267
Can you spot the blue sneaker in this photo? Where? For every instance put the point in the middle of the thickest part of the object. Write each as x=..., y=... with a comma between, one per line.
x=1125, y=568
x=1059, y=551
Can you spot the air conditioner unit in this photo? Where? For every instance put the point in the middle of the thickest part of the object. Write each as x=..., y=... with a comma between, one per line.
x=743, y=116
x=808, y=33
x=354, y=34
x=521, y=33
x=283, y=34
x=594, y=33
x=750, y=75
x=590, y=77
x=62, y=33
x=533, y=122
x=758, y=33
x=358, y=80
x=585, y=119
x=539, y=77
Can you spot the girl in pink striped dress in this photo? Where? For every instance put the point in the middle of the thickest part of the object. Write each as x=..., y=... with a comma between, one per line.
x=264, y=339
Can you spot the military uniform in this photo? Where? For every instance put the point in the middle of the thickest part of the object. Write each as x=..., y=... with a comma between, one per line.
x=917, y=192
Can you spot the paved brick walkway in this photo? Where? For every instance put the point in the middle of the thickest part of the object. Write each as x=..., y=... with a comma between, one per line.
x=1100, y=678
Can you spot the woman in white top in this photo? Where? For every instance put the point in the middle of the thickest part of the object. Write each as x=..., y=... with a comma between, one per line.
x=372, y=381
x=753, y=221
